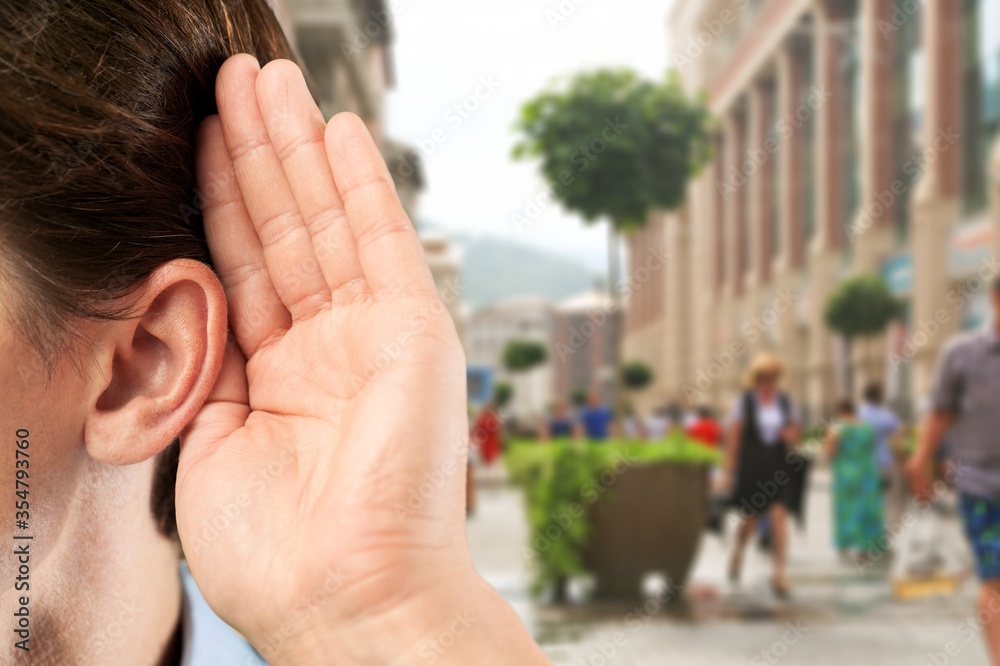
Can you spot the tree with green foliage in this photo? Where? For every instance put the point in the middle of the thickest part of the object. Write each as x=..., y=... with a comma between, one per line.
x=523, y=355
x=502, y=394
x=578, y=396
x=637, y=375
x=861, y=307
x=614, y=146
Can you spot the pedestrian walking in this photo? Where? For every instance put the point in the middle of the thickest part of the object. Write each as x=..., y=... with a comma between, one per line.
x=966, y=407
x=705, y=429
x=596, y=419
x=858, y=508
x=560, y=423
x=888, y=436
x=486, y=433
x=763, y=432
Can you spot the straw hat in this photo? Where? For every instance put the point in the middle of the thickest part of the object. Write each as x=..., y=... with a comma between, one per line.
x=763, y=362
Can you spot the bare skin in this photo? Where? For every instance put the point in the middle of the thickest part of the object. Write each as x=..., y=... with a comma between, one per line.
x=767, y=390
x=324, y=272
x=935, y=426
x=304, y=436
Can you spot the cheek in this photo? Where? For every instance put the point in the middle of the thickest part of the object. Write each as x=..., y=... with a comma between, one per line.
x=41, y=451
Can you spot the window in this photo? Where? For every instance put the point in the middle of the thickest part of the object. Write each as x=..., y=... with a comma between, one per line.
x=907, y=122
x=981, y=78
x=773, y=174
x=850, y=153
x=808, y=181
x=744, y=235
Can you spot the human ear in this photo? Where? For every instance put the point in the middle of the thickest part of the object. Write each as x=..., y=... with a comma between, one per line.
x=156, y=368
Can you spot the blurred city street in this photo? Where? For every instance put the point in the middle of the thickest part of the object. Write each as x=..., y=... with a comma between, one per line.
x=837, y=615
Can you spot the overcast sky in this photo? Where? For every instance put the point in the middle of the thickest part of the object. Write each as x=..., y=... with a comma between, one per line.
x=447, y=52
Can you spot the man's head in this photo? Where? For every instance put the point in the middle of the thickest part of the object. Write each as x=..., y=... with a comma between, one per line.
x=873, y=393
x=112, y=323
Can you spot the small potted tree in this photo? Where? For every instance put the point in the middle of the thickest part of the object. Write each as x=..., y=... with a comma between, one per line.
x=862, y=306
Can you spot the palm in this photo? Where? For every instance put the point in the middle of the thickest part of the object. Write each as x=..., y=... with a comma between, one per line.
x=342, y=392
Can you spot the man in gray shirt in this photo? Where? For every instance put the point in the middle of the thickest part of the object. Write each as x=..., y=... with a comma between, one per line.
x=965, y=405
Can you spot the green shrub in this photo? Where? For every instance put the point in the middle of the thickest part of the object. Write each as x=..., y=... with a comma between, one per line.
x=563, y=479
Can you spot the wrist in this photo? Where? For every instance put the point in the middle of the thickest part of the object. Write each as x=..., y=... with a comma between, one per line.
x=458, y=619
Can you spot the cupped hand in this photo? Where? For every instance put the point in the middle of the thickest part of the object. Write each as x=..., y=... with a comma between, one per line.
x=321, y=486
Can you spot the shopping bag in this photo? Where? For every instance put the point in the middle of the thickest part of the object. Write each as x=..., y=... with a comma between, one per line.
x=927, y=561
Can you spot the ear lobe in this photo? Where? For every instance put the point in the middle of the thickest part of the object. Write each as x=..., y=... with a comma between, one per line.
x=156, y=368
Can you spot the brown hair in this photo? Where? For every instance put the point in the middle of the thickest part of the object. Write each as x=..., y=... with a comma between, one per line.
x=101, y=101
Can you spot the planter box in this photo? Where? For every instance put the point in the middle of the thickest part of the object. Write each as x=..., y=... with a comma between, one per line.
x=651, y=520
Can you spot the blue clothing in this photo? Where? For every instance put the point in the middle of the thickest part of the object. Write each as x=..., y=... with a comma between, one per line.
x=560, y=427
x=596, y=422
x=885, y=424
x=208, y=641
x=982, y=527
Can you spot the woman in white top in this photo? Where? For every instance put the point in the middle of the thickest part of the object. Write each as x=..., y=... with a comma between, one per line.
x=764, y=428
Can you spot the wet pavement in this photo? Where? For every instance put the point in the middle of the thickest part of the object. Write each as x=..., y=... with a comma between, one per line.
x=838, y=614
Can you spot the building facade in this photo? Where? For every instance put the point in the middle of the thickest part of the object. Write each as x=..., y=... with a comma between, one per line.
x=490, y=329
x=853, y=136
x=345, y=48
x=583, y=346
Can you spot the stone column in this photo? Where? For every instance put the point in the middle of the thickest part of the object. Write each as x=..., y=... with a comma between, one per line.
x=758, y=272
x=679, y=313
x=787, y=275
x=872, y=233
x=936, y=199
x=734, y=236
x=700, y=283
x=824, y=250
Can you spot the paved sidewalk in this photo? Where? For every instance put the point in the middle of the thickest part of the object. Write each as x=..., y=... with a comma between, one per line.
x=837, y=616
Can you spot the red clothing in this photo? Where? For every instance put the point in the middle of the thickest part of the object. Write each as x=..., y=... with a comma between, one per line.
x=486, y=435
x=705, y=431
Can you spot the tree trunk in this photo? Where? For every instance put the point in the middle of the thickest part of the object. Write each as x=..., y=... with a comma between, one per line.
x=849, y=377
x=614, y=271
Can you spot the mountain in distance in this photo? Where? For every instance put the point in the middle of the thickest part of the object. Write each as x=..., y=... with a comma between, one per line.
x=495, y=269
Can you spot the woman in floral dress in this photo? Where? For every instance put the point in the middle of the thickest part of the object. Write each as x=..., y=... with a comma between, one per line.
x=857, y=501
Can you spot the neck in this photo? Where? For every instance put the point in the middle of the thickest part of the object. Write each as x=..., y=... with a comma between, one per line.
x=109, y=592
